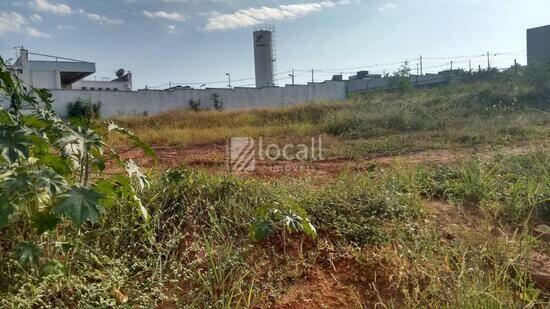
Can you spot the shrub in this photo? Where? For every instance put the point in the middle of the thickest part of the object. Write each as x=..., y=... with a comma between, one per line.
x=84, y=109
x=217, y=103
x=401, y=79
x=194, y=105
x=538, y=75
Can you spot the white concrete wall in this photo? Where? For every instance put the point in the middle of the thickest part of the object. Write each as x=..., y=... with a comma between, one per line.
x=360, y=85
x=119, y=103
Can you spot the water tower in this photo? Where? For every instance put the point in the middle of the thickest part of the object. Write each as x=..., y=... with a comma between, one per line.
x=264, y=56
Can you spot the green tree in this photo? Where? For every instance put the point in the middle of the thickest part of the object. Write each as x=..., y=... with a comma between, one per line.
x=52, y=170
x=194, y=105
x=84, y=110
x=217, y=103
x=538, y=75
x=400, y=80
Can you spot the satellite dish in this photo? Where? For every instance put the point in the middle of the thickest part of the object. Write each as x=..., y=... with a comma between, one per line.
x=120, y=73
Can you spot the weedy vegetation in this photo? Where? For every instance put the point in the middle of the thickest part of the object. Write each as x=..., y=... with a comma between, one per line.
x=81, y=226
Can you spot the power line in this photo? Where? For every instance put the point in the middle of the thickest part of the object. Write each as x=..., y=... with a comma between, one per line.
x=346, y=70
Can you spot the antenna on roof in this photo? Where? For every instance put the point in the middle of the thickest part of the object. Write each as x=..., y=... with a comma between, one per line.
x=120, y=73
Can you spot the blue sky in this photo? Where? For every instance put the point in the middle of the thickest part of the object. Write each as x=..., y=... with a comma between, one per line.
x=183, y=41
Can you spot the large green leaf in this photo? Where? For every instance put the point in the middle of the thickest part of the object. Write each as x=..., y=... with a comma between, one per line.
x=24, y=181
x=292, y=222
x=6, y=209
x=80, y=141
x=261, y=229
x=18, y=181
x=57, y=163
x=50, y=181
x=134, y=172
x=44, y=222
x=28, y=253
x=80, y=204
x=119, y=188
x=14, y=142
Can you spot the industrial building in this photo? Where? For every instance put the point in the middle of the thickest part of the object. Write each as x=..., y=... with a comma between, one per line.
x=64, y=73
x=58, y=74
x=538, y=44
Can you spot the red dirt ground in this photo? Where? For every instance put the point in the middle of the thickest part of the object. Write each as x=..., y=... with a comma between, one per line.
x=337, y=284
x=212, y=158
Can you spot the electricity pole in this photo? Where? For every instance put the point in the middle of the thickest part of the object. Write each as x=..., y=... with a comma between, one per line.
x=229, y=77
x=312, y=76
x=421, y=66
x=488, y=62
x=292, y=75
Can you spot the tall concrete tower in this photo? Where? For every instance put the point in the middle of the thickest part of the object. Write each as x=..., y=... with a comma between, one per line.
x=263, y=58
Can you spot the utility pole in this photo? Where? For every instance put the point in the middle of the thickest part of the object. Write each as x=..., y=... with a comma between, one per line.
x=312, y=76
x=229, y=77
x=488, y=62
x=292, y=75
x=417, y=71
x=516, y=66
x=451, y=65
x=479, y=67
x=470, y=65
x=421, y=66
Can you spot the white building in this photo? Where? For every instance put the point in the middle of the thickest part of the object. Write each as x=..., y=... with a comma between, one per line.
x=63, y=74
x=121, y=83
x=50, y=74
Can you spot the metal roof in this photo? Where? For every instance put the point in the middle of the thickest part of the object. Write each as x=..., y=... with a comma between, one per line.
x=62, y=66
x=69, y=72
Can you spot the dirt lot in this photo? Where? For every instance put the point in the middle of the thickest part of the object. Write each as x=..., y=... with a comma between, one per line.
x=212, y=157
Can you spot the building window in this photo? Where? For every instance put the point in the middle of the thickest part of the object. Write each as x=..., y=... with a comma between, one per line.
x=92, y=88
x=108, y=89
x=84, y=88
x=100, y=89
x=115, y=89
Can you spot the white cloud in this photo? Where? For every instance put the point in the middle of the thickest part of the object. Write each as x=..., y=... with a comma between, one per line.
x=64, y=27
x=36, y=18
x=173, y=16
x=386, y=6
x=171, y=29
x=45, y=6
x=102, y=20
x=36, y=33
x=255, y=16
x=15, y=23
